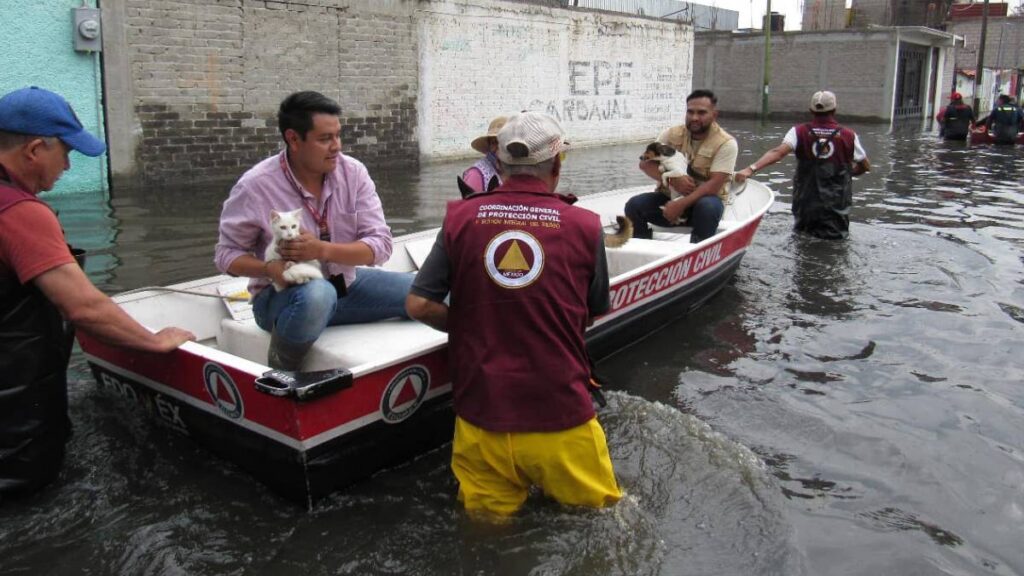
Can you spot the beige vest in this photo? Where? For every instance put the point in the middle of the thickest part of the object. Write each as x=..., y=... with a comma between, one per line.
x=678, y=137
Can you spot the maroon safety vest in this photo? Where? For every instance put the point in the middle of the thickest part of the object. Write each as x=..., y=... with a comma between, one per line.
x=522, y=260
x=822, y=185
x=815, y=142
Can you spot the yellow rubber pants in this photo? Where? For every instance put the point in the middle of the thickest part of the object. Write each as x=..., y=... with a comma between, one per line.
x=496, y=469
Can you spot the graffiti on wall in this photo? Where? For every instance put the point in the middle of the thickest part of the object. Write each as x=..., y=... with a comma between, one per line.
x=604, y=89
x=598, y=92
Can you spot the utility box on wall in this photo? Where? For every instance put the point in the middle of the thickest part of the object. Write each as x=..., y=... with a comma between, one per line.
x=86, y=29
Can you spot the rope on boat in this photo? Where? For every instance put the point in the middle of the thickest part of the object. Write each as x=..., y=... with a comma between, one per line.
x=237, y=297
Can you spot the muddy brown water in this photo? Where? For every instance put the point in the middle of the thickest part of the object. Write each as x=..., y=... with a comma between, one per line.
x=839, y=408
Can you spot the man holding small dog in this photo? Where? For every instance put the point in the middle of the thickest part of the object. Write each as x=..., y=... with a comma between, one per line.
x=526, y=273
x=828, y=155
x=711, y=153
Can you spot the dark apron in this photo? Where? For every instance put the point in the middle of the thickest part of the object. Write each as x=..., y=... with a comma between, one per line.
x=956, y=123
x=35, y=346
x=1004, y=125
x=822, y=195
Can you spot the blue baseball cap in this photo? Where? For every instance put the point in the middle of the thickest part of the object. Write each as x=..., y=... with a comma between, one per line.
x=40, y=112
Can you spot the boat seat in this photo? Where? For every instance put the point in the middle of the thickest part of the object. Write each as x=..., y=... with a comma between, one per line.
x=345, y=346
x=637, y=252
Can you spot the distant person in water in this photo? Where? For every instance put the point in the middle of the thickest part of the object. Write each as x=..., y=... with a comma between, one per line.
x=956, y=119
x=1005, y=121
x=479, y=176
x=828, y=155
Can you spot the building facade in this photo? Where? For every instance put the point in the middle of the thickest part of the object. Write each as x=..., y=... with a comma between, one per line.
x=37, y=43
x=878, y=74
x=930, y=13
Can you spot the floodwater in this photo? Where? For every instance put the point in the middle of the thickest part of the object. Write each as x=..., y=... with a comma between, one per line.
x=839, y=408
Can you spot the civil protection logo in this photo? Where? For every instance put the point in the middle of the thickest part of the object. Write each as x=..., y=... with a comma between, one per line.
x=514, y=259
x=223, y=391
x=404, y=393
x=823, y=148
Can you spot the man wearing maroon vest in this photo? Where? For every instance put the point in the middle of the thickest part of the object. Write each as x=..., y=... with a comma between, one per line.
x=41, y=287
x=828, y=156
x=526, y=274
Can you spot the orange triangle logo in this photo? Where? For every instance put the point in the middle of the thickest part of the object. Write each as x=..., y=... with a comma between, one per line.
x=514, y=259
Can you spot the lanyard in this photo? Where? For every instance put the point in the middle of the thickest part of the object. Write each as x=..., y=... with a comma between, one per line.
x=321, y=220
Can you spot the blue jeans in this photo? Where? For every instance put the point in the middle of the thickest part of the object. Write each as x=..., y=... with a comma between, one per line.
x=645, y=209
x=301, y=312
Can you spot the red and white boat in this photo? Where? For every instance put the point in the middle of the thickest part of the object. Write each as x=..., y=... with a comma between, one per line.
x=378, y=394
x=984, y=137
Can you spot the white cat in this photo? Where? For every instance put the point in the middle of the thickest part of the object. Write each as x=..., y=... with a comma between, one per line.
x=285, y=226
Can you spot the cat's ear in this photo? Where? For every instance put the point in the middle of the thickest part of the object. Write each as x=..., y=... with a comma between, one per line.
x=274, y=216
x=297, y=213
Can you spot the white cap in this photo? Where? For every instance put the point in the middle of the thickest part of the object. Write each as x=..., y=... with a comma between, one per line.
x=823, y=101
x=530, y=138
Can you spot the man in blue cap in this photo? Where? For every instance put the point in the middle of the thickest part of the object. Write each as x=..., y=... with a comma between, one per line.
x=43, y=289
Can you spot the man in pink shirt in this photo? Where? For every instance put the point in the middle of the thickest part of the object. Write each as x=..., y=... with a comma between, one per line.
x=342, y=227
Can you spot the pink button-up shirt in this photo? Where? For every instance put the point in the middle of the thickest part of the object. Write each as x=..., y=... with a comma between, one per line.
x=354, y=212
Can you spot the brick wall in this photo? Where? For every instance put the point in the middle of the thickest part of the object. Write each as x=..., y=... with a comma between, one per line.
x=200, y=80
x=193, y=85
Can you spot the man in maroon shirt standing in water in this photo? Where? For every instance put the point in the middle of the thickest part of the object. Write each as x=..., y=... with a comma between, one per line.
x=526, y=273
x=41, y=287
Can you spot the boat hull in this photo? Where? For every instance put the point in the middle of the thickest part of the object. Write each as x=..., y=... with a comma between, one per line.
x=298, y=474
x=986, y=138
x=393, y=411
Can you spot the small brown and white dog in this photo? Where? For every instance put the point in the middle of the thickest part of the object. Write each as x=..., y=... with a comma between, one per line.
x=671, y=164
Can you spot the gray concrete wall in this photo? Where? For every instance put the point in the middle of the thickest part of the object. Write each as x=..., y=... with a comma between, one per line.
x=859, y=66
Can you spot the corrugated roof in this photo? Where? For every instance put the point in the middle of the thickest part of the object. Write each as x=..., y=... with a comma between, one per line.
x=702, y=17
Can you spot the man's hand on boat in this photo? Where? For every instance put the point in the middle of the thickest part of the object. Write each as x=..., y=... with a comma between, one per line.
x=92, y=311
x=170, y=338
